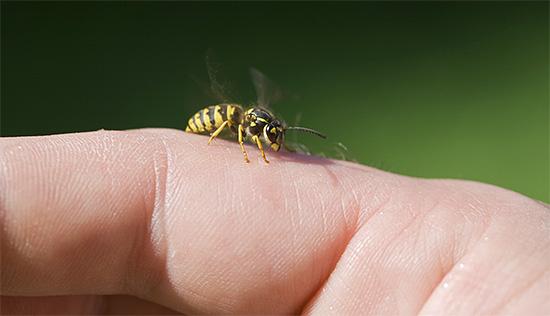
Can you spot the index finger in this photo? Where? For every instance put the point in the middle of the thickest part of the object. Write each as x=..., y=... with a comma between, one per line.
x=160, y=215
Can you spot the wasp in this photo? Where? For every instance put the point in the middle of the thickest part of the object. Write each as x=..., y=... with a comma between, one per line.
x=254, y=122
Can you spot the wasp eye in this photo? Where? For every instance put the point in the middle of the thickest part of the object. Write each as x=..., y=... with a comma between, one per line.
x=272, y=134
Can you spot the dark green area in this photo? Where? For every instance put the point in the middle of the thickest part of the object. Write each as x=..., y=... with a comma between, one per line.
x=428, y=89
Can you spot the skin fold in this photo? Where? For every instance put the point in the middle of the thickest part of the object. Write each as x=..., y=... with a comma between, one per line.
x=154, y=221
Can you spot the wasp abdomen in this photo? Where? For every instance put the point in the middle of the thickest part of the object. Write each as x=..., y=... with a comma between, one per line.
x=211, y=118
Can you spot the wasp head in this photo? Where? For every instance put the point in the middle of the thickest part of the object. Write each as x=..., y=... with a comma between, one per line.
x=274, y=133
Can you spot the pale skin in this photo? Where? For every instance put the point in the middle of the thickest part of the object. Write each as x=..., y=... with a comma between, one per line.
x=155, y=221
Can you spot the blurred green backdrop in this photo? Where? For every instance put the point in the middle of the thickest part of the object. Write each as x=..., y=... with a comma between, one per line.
x=428, y=89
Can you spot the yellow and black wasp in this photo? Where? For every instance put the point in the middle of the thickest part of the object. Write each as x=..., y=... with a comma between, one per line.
x=255, y=122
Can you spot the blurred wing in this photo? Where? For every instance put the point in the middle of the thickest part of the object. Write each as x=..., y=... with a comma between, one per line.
x=268, y=91
x=221, y=87
x=207, y=90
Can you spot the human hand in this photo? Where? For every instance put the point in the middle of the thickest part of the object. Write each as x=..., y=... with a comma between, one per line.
x=155, y=221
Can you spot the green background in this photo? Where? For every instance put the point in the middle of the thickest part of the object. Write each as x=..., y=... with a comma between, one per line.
x=427, y=89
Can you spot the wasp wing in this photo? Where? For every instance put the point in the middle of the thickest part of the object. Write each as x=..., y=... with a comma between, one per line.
x=221, y=87
x=268, y=91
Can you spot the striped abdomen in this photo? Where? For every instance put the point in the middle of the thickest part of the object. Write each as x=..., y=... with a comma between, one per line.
x=212, y=117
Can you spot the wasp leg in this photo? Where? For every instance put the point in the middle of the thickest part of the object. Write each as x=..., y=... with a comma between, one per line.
x=241, y=130
x=218, y=131
x=257, y=140
x=286, y=147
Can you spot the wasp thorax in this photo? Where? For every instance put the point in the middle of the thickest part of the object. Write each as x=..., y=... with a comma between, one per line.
x=255, y=121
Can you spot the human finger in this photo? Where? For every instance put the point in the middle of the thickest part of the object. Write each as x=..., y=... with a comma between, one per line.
x=225, y=236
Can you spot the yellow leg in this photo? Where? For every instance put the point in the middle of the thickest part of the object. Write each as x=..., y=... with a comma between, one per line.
x=241, y=130
x=257, y=140
x=218, y=131
x=286, y=147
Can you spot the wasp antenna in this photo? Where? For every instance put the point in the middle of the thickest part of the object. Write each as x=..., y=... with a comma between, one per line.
x=307, y=130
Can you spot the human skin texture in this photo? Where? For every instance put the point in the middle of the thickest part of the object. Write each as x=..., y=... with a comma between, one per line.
x=155, y=221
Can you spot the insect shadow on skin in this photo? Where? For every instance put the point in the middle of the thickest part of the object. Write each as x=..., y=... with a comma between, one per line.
x=296, y=156
x=255, y=122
